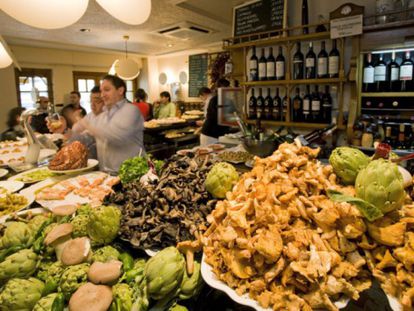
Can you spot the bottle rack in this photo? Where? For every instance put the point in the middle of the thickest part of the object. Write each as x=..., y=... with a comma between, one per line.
x=287, y=38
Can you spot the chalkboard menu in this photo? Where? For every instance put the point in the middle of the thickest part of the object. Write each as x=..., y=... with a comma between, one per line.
x=198, y=66
x=258, y=16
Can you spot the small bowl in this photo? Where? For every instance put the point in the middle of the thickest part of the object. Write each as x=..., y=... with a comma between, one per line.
x=260, y=148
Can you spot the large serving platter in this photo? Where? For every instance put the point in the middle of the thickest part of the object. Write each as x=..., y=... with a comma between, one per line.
x=34, y=211
x=92, y=163
x=25, y=176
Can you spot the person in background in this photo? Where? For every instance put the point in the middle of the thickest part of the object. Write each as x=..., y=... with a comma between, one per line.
x=70, y=115
x=78, y=132
x=211, y=130
x=38, y=121
x=141, y=104
x=164, y=108
x=205, y=95
x=14, y=128
x=119, y=129
x=74, y=102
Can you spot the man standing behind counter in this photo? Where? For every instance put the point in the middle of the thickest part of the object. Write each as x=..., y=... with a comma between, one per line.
x=164, y=108
x=119, y=128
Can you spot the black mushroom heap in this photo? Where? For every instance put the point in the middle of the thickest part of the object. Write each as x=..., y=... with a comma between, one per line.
x=170, y=210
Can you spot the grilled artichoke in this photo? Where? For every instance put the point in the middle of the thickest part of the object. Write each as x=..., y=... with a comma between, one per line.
x=164, y=273
x=72, y=278
x=19, y=265
x=45, y=303
x=104, y=223
x=191, y=284
x=105, y=254
x=16, y=233
x=381, y=184
x=347, y=162
x=221, y=179
x=21, y=294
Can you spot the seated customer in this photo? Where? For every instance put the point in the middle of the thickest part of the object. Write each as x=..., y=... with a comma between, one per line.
x=14, y=129
x=38, y=121
x=164, y=108
x=141, y=104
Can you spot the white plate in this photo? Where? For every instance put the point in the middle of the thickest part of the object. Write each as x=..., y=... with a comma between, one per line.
x=34, y=211
x=31, y=181
x=11, y=186
x=30, y=199
x=211, y=279
x=18, y=157
x=91, y=164
x=3, y=172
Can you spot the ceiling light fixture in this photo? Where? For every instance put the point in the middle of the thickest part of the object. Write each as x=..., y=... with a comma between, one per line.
x=85, y=30
x=126, y=69
x=45, y=14
x=170, y=45
x=6, y=56
x=133, y=12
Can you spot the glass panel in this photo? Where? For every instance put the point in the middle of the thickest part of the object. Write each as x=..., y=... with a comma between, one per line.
x=91, y=84
x=85, y=101
x=26, y=100
x=82, y=85
x=25, y=83
x=129, y=85
x=130, y=96
x=40, y=83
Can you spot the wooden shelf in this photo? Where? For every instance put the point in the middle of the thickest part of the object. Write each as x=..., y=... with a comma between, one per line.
x=396, y=110
x=291, y=124
x=295, y=82
x=277, y=40
x=388, y=94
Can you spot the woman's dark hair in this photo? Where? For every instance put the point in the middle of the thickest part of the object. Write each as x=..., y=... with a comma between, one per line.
x=166, y=94
x=140, y=95
x=96, y=89
x=116, y=81
x=13, y=114
x=204, y=91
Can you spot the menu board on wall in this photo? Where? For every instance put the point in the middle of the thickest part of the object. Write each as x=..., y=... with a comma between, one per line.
x=258, y=16
x=197, y=72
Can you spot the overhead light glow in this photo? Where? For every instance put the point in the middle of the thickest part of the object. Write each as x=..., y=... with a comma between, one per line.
x=132, y=12
x=127, y=69
x=5, y=58
x=45, y=14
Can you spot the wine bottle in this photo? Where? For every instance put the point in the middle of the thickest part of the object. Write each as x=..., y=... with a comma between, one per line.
x=380, y=74
x=285, y=108
x=280, y=65
x=310, y=63
x=305, y=16
x=316, y=106
x=326, y=108
x=298, y=63
x=260, y=104
x=406, y=73
x=321, y=27
x=401, y=138
x=277, y=107
x=368, y=79
x=262, y=66
x=333, y=69
x=297, y=106
x=259, y=131
x=306, y=105
x=268, y=106
x=254, y=66
x=394, y=74
x=252, y=106
x=388, y=136
x=322, y=62
x=270, y=66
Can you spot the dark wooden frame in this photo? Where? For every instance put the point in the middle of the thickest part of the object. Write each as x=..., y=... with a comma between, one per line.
x=34, y=72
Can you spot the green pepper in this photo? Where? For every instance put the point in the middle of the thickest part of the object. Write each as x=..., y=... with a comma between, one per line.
x=50, y=287
x=127, y=261
x=11, y=250
x=42, y=228
x=58, y=303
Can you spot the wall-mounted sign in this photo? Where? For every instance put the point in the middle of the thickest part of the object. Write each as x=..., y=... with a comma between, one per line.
x=197, y=72
x=259, y=16
x=347, y=21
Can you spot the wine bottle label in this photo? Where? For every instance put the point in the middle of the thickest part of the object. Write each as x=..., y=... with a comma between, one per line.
x=395, y=74
x=379, y=73
x=253, y=64
x=406, y=72
x=310, y=62
x=306, y=106
x=270, y=69
x=280, y=69
x=316, y=105
x=369, y=75
x=253, y=74
x=322, y=66
x=333, y=65
x=262, y=70
x=296, y=104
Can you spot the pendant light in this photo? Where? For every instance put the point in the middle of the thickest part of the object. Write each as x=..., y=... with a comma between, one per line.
x=45, y=14
x=126, y=69
x=132, y=12
x=6, y=55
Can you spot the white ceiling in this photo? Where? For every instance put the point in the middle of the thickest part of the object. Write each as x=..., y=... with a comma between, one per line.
x=107, y=32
